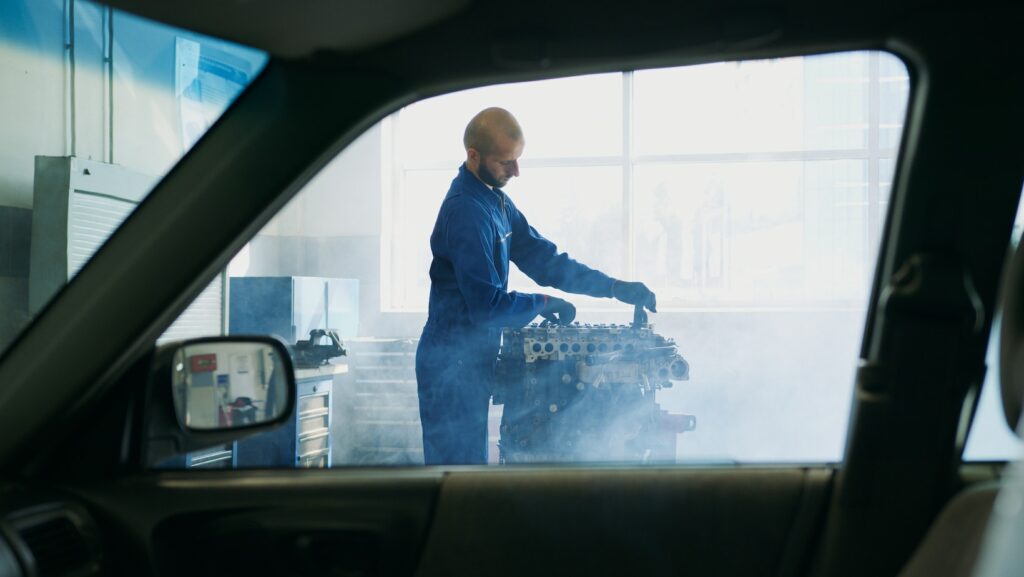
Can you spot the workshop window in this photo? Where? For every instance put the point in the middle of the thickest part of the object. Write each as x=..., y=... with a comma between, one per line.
x=749, y=196
x=745, y=185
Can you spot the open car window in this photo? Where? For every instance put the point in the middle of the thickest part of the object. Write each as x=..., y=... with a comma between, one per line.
x=990, y=438
x=749, y=196
x=98, y=106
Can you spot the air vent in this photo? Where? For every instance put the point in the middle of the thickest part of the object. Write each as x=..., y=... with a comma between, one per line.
x=57, y=543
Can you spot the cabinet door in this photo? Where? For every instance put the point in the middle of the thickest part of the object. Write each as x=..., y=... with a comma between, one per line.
x=343, y=306
x=310, y=305
x=262, y=306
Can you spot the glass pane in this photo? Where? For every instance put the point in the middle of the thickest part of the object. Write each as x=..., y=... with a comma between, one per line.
x=750, y=234
x=759, y=233
x=88, y=132
x=835, y=101
x=759, y=106
x=894, y=91
x=579, y=116
x=551, y=199
x=223, y=385
x=422, y=195
x=990, y=438
x=886, y=171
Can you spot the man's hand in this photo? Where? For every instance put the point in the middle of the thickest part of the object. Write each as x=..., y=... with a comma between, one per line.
x=635, y=293
x=558, y=311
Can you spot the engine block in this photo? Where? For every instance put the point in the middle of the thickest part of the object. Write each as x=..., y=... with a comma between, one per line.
x=587, y=393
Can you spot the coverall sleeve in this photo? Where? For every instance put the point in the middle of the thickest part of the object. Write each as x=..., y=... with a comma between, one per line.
x=470, y=240
x=539, y=258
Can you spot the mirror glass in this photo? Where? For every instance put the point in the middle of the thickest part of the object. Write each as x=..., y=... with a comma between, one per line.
x=226, y=385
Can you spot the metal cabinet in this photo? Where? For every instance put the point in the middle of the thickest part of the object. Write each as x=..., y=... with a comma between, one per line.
x=305, y=440
x=291, y=306
x=313, y=423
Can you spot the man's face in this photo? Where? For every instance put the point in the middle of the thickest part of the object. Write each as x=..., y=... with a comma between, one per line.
x=501, y=164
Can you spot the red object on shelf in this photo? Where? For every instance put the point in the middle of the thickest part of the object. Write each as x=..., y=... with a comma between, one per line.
x=203, y=363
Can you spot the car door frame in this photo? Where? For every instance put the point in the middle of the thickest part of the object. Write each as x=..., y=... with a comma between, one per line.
x=934, y=274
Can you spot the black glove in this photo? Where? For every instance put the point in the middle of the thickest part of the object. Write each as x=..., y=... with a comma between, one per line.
x=635, y=293
x=558, y=311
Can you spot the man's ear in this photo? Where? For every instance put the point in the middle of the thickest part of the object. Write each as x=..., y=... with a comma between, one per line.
x=472, y=156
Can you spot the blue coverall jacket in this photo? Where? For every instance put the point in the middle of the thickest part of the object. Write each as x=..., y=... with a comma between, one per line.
x=478, y=231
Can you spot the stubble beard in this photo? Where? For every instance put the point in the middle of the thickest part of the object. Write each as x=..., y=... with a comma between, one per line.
x=488, y=177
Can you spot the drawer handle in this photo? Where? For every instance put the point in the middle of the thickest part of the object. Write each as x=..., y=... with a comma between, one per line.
x=313, y=454
x=313, y=435
x=212, y=458
x=314, y=413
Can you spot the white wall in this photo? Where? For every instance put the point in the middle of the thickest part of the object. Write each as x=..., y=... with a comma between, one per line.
x=32, y=106
x=332, y=229
x=38, y=96
x=342, y=200
x=53, y=105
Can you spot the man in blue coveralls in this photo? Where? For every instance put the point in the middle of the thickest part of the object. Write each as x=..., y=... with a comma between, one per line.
x=478, y=231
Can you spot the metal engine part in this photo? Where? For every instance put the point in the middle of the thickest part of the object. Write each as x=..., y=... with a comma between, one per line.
x=587, y=393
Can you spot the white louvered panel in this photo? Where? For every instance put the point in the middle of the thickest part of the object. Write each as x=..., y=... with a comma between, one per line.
x=91, y=219
x=202, y=318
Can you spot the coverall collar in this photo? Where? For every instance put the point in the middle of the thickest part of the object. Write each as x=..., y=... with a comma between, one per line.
x=472, y=184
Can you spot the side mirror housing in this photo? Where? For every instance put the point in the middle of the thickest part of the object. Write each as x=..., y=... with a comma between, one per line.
x=212, y=391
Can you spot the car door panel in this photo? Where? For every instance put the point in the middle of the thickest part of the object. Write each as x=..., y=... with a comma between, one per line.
x=743, y=521
x=624, y=522
x=264, y=522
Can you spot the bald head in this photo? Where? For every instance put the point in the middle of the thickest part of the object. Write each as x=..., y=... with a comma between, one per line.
x=489, y=128
x=494, y=143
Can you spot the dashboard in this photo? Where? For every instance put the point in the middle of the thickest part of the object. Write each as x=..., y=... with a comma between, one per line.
x=46, y=535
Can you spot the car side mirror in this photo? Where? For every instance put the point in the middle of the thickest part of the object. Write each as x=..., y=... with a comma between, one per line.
x=211, y=391
x=228, y=384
